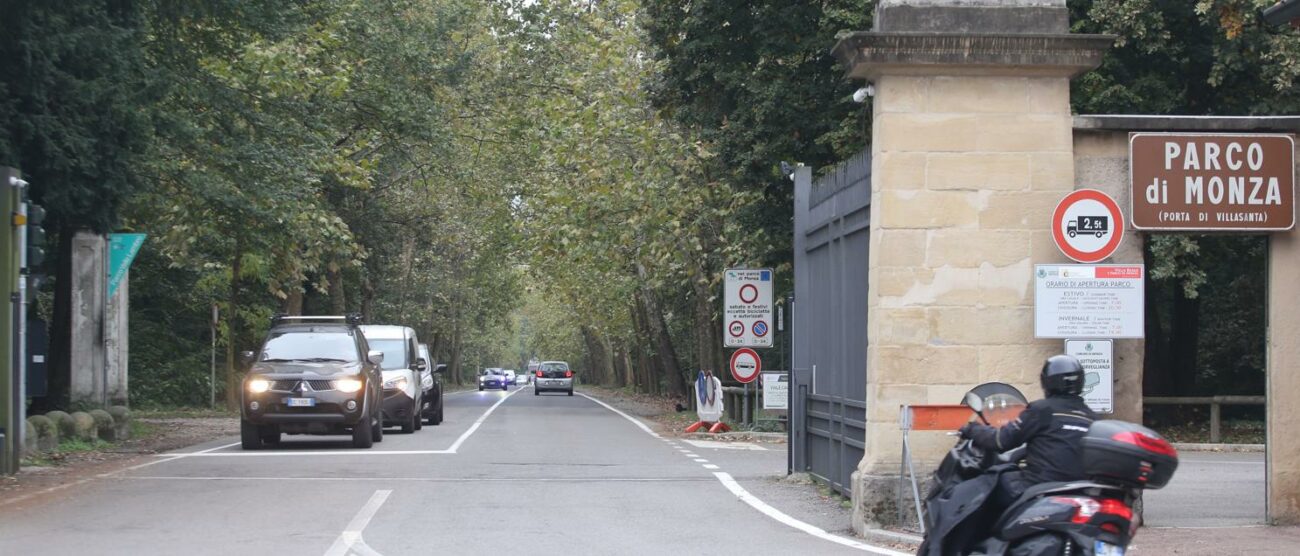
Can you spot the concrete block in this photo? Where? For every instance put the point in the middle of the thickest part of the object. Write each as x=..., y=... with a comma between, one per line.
x=981, y=326
x=47, y=435
x=1024, y=133
x=902, y=327
x=1047, y=95
x=67, y=427
x=900, y=93
x=927, y=364
x=978, y=94
x=1015, y=363
x=900, y=170
x=1053, y=171
x=30, y=437
x=928, y=209
x=105, y=428
x=900, y=248
x=896, y=281
x=84, y=427
x=121, y=421
x=1027, y=210
x=977, y=171
x=972, y=248
x=929, y=132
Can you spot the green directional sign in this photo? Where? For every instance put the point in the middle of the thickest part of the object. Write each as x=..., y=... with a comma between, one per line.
x=122, y=249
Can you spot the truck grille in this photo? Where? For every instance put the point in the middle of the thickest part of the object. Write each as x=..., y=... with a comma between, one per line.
x=321, y=385
x=284, y=385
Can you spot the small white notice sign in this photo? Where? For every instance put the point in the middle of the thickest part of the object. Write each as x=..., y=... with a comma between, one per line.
x=776, y=391
x=1097, y=357
x=1089, y=301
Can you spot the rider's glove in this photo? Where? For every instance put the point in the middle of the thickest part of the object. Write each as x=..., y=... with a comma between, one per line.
x=967, y=430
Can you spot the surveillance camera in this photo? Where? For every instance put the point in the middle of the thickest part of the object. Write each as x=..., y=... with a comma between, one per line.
x=860, y=95
x=17, y=182
x=786, y=169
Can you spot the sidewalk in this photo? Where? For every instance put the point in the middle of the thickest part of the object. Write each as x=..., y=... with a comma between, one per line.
x=1217, y=541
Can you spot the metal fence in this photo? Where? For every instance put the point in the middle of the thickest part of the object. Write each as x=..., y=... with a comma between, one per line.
x=828, y=387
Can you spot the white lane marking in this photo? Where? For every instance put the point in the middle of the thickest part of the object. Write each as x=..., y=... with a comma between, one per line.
x=710, y=466
x=724, y=445
x=432, y=479
x=1214, y=462
x=308, y=453
x=701, y=460
x=465, y=436
x=689, y=455
x=780, y=516
x=210, y=453
x=79, y=482
x=776, y=514
x=634, y=420
x=350, y=540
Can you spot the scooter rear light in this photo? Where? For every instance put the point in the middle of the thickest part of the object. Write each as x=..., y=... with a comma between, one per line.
x=1110, y=528
x=1156, y=445
x=1084, y=508
x=1116, y=508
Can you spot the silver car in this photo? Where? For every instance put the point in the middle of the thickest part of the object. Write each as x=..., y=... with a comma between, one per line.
x=553, y=376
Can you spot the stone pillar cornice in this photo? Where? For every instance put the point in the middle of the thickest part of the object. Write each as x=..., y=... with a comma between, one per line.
x=869, y=54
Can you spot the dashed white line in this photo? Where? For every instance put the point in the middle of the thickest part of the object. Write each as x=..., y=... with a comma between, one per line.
x=710, y=466
x=701, y=460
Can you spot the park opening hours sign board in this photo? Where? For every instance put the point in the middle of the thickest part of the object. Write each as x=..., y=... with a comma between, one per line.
x=1089, y=301
x=1214, y=182
x=747, y=308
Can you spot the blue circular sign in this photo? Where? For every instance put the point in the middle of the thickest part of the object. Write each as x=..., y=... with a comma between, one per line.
x=760, y=328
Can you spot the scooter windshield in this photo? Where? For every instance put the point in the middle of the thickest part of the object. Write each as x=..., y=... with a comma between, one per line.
x=1001, y=409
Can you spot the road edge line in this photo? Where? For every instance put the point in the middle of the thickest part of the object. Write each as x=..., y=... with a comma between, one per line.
x=763, y=507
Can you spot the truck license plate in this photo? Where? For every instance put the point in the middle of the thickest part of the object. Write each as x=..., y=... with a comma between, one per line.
x=301, y=402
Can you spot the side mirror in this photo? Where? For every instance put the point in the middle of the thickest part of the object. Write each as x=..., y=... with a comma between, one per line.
x=421, y=365
x=247, y=357
x=440, y=368
x=375, y=356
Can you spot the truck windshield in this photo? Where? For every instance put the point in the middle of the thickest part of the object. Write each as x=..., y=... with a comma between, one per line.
x=310, y=346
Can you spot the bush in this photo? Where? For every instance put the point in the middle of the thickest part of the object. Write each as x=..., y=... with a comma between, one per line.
x=29, y=438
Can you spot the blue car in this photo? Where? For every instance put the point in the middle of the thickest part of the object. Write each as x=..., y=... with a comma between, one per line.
x=493, y=378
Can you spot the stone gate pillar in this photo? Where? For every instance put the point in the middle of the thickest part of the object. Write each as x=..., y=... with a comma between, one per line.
x=971, y=150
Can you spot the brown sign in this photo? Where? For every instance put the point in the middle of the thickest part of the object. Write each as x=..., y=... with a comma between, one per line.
x=1212, y=182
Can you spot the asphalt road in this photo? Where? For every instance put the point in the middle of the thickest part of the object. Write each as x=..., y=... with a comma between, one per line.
x=1210, y=490
x=505, y=474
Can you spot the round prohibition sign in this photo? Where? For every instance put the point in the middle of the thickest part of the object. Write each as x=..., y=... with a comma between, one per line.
x=749, y=293
x=745, y=365
x=736, y=328
x=760, y=329
x=1087, y=226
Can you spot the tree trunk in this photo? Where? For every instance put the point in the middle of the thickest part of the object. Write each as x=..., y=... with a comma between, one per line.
x=337, y=293
x=1155, y=353
x=293, y=303
x=658, y=328
x=454, y=366
x=367, y=298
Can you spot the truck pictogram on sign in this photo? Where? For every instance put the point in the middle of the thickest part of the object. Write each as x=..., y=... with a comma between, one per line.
x=1095, y=225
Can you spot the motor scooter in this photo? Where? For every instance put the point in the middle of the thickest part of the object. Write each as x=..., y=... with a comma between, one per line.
x=1092, y=517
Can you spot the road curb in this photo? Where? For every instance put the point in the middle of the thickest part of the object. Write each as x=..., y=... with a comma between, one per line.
x=738, y=435
x=1206, y=447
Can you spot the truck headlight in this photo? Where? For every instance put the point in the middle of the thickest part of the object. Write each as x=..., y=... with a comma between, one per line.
x=259, y=385
x=348, y=385
x=398, y=383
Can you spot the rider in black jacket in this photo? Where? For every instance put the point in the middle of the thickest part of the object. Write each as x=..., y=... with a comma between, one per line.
x=1051, y=428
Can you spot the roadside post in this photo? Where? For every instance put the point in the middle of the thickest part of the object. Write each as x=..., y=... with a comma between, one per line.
x=12, y=403
x=212, y=365
x=747, y=323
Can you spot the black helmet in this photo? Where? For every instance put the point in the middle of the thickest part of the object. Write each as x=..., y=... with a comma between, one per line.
x=1062, y=374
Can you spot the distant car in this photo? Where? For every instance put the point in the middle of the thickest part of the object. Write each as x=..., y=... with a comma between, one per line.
x=313, y=375
x=510, y=376
x=403, y=396
x=553, y=376
x=492, y=378
x=431, y=384
x=521, y=379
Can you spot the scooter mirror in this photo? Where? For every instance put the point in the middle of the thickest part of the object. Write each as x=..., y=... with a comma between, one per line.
x=975, y=402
